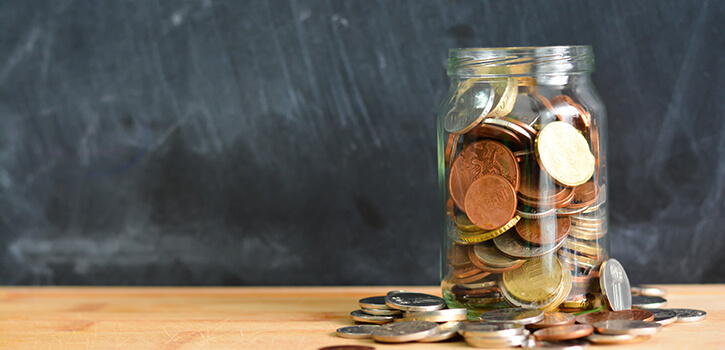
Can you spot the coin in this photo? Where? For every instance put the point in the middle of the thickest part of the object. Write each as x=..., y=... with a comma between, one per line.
x=627, y=327
x=645, y=302
x=473, y=102
x=360, y=316
x=402, y=332
x=381, y=312
x=494, y=132
x=410, y=301
x=510, y=244
x=347, y=347
x=446, y=315
x=553, y=319
x=584, y=195
x=534, y=213
x=506, y=92
x=526, y=111
x=450, y=151
x=448, y=330
x=486, y=342
x=591, y=249
x=376, y=302
x=515, y=315
x=547, y=304
x=464, y=272
x=480, y=158
x=648, y=291
x=522, y=130
x=576, y=344
x=689, y=315
x=490, y=202
x=356, y=332
x=662, y=316
x=485, y=236
x=566, y=332
x=537, y=279
x=571, y=112
x=491, y=330
x=630, y=315
x=615, y=285
x=457, y=257
x=564, y=154
x=616, y=338
x=579, y=260
x=491, y=257
x=543, y=231
x=463, y=223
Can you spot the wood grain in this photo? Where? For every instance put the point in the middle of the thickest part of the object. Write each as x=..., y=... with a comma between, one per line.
x=252, y=318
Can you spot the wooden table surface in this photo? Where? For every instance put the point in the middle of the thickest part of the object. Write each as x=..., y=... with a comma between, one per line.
x=254, y=318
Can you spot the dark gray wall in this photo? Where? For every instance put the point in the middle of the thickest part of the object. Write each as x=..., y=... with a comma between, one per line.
x=293, y=142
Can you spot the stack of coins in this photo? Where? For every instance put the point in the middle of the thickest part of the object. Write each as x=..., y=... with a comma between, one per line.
x=526, y=203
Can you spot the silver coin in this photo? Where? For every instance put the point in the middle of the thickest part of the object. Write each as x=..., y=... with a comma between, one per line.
x=444, y=315
x=663, y=316
x=486, y=342
x=642, y=301
x=398, y=291
x=510, y=244
x=576, y=344
x=689, y=315
x=376, y=302
x=470, y=107
x=409, y=301
x=614, y=284
x=381, y=312
x=627, y=327
x=534, y=213
x=356, y=332
x=405, y=331
x=648, y=291
x=495, y=330
x=448, y=330
x=360, y=316
x=509, y=125
x=516, y=315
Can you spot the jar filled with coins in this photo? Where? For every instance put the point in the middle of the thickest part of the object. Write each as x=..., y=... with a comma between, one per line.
x=522, y=170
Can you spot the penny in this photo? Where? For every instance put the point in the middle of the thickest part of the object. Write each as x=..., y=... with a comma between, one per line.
x=571, y=112
x=381, y=312
x=662, y=316
x=649, y=291
x=538, y=190
x=510, y=244
x=645, y=302
x=689, y=315
x=491, y=330
x=347, y=347
x=487, y=253
x=615, y=285
x=376, y=302
x=553, y=319
x=568, y=332
x=616, y=338
x=402, y=332
x=473, y=102
x=481, y=236
x=627, y=327
x=526, y=212
x=450, y=150
x=458, y=256
x=356, y=332
x=481, y=158
x=465, y=272
x=631, y=315
x=584, y=195
x=506, y=92
x=515, y=315
x=410, y=301
x=360, y=316
x=564, y=154
x=576, y=344
x=494, y=132
x=543, y=231
x=445, y=315
x=490, y=202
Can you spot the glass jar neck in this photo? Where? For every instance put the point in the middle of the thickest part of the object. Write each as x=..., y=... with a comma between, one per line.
x=520, y=61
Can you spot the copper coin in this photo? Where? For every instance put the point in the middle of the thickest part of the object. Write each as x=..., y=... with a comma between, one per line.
x=450, y=150
x=574, y=331
x=543, y=231
x=458, y=256
x=490, y=202
x=572, y=113
x=500, y=134
x=471, y=279
x=537, y=189
x=584, y=195
x=477, y=159
x=553, y=319
x=632, y=315
x=465, y=272
x=479, y=263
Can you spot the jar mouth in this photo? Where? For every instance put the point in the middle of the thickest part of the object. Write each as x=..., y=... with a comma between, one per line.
x=529, y=61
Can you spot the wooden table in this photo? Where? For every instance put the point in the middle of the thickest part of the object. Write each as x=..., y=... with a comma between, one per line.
x=253, y=318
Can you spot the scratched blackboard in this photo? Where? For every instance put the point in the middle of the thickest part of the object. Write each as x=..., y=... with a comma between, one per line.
x=293, y=142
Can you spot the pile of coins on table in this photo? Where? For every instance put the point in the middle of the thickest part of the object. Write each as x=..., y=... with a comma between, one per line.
x=401, y=317
x=525, y=199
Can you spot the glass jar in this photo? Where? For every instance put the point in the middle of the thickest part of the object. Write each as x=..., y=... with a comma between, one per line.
x=522, y=175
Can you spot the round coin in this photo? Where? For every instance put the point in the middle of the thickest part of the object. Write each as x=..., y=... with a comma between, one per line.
x=543, y=231
x=360, y=316
x=446, y=315
x=536, y=280
x=381, y=312
x=648, y=291
x=506, y=92
x=356, y=332
x=662, y=316
x=490, y=202
x=487, y=253
x=491, y=330
x=473, y=102
x=584, y=195
x=515, y=315
x=409, y=301
x=645, y=302
x=402, y=332
x=568, y=332
x=615, y=285
x=510, y=244
x=627, y=327
x=485, y=236
x=564, y=154
x=534, y=213
x=689, y=315
x=629, y=315
x=553, y=319
x=376, y=302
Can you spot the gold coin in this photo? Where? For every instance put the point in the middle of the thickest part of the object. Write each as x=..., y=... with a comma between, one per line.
x=536, y=280
x=549, y=304
x=464, y=224
x=506, y=92
x=564, y=153
x=589, y=248
x=485, y=236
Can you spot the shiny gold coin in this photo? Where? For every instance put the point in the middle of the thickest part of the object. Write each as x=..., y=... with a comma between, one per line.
x=536, y=280
x=485, y=236
x=464, y=224
x=506, y=92
x=564, y=153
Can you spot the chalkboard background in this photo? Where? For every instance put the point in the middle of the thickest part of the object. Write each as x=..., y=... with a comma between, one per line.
x=293, y=142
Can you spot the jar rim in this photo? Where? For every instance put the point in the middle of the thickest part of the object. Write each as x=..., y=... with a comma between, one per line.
x=520, y=61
